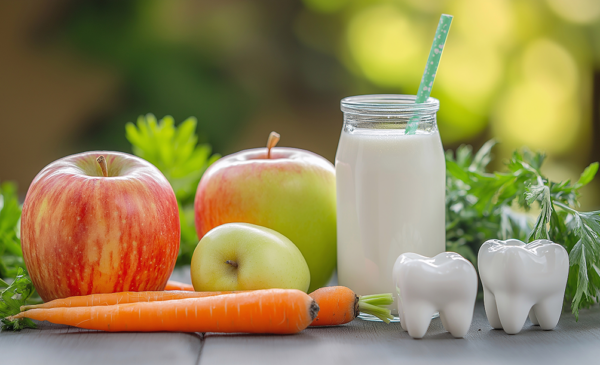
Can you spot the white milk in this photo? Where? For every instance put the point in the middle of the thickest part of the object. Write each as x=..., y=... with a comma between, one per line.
x=390, y=200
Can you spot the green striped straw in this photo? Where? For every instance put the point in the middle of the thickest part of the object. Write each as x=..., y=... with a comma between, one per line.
x=431, y=68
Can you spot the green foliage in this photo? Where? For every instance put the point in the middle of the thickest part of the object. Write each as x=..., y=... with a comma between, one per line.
x=176, y=153
x=160, y=68
x=11, y=256
x=11, y=300
x=482, y=206
x=174, y=150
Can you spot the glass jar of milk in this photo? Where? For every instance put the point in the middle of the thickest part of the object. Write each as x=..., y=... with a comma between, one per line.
x=390, y=189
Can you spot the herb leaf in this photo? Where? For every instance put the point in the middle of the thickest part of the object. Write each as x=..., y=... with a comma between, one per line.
x=540, y=193
x=11, y=300
x=587, y=175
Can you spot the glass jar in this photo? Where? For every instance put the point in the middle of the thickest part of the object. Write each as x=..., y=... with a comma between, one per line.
x=390, y=189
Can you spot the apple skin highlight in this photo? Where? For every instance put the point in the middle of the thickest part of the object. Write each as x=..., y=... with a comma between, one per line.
x=292, y=193
x=83, y=233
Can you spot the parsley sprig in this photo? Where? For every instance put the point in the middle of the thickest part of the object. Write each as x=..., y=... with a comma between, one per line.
x=483, y=205
x=11, y=300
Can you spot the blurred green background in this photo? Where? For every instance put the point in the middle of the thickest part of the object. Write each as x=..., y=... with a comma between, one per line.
x=526, y=72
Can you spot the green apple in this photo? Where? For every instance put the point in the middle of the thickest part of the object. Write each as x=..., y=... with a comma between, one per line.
x=242, y=256
x=289, y=190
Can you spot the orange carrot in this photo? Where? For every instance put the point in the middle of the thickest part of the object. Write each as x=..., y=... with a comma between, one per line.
x=277, y=311
x=123, y=298
x=339, y=305
x=176, y=285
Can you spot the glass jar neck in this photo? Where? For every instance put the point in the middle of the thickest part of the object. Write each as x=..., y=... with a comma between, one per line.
x=388, y=112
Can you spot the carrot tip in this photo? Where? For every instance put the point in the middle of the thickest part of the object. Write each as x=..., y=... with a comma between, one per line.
x=314, y=310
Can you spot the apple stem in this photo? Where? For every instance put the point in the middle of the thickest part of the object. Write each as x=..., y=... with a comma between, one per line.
x=232, y=263
x=102, y=162
x=271, y=142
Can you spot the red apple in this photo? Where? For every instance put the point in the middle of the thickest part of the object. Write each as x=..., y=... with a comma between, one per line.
x=94, y=224
x=288, y=190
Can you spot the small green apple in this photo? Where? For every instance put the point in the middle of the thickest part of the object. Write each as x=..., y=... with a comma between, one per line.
x=243, y=256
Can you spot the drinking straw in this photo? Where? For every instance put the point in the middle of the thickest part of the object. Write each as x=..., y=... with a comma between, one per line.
x=435, y=54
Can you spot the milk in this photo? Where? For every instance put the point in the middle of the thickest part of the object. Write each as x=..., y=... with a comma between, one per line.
x=390, y=200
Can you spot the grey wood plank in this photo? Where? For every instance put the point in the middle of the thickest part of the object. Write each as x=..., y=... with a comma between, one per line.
x=55, y=344
x=369, y=342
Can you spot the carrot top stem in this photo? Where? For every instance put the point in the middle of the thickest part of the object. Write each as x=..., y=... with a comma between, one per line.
x=378, y=299
x=375, y=305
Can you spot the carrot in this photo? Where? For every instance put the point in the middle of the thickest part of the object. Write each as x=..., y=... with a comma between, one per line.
x=277, y=311
x=176, y=285
x=339, y=305
x=123, y=298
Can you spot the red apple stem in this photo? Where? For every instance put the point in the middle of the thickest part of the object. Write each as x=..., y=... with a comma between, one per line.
x=102, y=162
x=271, y=142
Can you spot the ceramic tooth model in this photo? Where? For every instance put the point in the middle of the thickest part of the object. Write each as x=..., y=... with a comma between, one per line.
x=446, y=283
x=523, y=279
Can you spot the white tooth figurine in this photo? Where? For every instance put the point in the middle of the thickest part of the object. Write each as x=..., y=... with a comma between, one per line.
x=446, y=283
x=520, y=279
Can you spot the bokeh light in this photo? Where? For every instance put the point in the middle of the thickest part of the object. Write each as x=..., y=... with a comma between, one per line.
x=577, y=11
x=540, y=110
x=387, y=46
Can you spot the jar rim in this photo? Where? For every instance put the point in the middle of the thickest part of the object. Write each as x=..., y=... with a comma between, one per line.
x=388, y=104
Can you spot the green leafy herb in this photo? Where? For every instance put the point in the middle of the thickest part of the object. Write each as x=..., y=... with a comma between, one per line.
x=11, y=256
x=11, y=300
x=177, y=154
x=174, y=150
x=482, y=206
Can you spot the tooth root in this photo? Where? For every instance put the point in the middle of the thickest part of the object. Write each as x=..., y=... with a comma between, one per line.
x=547, y=311
x=457, y=317
x=533, y=318
x=401, y=315
x=491, y=310
x=417, y=317
x=513, y=311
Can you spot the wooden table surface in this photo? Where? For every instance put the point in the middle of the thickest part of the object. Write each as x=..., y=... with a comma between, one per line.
x=357, y=342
